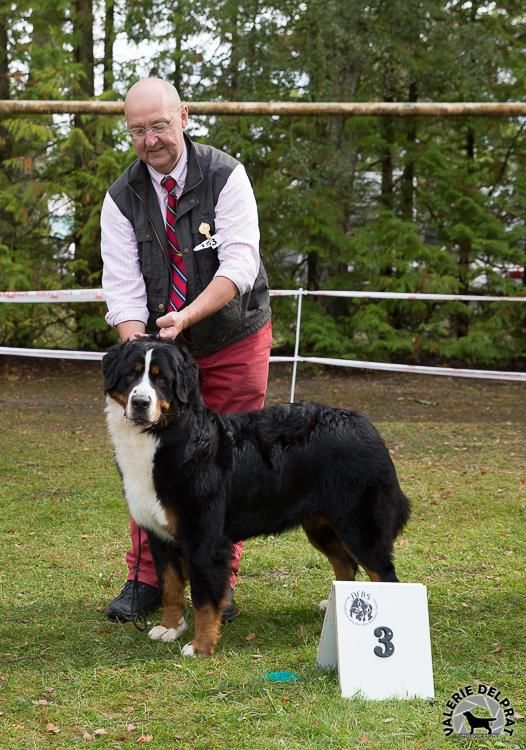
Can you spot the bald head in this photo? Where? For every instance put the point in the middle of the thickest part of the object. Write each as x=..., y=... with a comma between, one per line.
x=152, y=90
x=150, y=102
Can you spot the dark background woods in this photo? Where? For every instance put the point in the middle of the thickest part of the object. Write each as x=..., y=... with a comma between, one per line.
x=425, y=205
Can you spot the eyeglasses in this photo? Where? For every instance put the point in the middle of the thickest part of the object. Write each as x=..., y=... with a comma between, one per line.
x=158, y=129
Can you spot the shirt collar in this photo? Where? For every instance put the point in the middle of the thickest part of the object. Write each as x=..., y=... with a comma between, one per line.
x=178, y=172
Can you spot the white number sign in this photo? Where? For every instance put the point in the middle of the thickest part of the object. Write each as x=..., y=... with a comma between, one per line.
x=377, y=636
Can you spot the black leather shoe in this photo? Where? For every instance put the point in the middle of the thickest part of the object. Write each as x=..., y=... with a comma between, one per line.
x=230, y=612
x=120, y=608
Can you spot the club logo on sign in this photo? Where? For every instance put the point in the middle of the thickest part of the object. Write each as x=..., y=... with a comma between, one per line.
x=361, y=608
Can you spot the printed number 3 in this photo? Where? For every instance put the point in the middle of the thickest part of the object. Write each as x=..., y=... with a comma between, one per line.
x=385, y=637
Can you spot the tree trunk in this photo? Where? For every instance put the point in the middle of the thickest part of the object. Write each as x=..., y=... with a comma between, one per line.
x=465, y=248
x=83, y=34
x=109, y=39
x=83, y=54
x=4, y=61
x=313, y=271
x=408, y=175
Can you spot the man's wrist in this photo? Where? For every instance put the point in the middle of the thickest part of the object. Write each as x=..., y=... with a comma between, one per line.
x=128, y=328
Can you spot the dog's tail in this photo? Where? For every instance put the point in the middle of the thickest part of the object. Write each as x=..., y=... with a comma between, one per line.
x=403, y=512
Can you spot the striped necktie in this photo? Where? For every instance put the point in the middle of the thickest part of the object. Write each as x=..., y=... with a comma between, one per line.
x=178, y=287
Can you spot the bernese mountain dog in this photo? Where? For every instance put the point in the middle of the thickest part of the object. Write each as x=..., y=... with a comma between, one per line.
x=198, y=481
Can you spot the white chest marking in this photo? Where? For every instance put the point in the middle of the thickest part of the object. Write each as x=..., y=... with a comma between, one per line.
x=134, y=452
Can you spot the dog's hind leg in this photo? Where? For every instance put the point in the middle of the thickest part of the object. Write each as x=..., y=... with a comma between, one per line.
x=323, y=537
x=374, y=556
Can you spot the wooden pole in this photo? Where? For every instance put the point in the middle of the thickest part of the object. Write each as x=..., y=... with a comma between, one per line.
x=286, y=109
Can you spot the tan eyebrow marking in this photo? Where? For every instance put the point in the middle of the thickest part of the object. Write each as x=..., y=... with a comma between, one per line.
x=155, y=369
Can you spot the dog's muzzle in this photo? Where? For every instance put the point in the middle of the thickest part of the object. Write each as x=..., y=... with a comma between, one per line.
x=142, y=406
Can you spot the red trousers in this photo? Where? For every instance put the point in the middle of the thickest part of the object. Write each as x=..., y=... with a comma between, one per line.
x=232, y=380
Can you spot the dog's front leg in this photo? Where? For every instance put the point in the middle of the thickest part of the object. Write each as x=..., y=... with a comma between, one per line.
x=207, y=631
x=172, y=581
x=209, y=584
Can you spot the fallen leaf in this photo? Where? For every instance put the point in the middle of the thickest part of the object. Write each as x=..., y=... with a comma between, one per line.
x=144, y=738
x=497, y=648
x=250, y=637
x=88, y=736
x=364, y=739
x=100, y=732
x=131, y=727
x=52, y=728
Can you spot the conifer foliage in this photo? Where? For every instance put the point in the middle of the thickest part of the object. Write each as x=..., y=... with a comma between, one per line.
x=387, y=204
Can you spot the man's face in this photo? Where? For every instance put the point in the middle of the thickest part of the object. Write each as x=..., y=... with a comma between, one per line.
x=147, y=108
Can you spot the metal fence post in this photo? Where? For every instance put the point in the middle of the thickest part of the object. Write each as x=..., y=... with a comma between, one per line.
x=296, y=346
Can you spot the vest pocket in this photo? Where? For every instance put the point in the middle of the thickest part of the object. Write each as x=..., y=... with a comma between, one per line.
x=197, y=221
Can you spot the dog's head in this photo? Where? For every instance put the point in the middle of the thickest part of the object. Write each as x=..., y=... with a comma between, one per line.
x=150, y=379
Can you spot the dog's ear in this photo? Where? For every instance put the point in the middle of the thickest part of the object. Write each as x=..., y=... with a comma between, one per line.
x=110, y=368
x=186, y=374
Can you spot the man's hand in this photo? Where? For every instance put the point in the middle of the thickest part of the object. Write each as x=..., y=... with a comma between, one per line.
x=217, y=294
x=171, y=325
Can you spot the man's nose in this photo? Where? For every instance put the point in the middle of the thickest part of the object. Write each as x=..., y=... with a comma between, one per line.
x=150, y=139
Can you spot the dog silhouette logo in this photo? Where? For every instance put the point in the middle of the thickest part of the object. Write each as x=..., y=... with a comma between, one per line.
x=361, y=608
x=474, y=722
x=478, y=710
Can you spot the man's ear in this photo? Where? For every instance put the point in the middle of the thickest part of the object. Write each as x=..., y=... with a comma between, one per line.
x=110, y=368
x=186, y=374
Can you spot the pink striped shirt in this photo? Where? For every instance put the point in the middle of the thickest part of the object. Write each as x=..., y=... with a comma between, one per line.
x=236, y=219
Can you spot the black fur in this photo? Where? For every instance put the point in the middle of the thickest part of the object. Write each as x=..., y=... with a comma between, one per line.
x=229, y=478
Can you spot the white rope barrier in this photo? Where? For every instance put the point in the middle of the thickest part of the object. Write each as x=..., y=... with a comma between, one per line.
x=457, y=372
x=54, y=295
x=97, y=295
x=50, y=353
x=419, y=296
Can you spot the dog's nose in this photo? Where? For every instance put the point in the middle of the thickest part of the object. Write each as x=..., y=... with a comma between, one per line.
x=140, y=402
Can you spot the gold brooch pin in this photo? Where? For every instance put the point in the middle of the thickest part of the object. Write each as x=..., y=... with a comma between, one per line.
x=204, y=228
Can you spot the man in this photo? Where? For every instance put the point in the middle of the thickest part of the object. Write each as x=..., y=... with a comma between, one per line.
x=180, y=250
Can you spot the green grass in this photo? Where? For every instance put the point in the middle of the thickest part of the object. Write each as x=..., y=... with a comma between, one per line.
x=63, y=536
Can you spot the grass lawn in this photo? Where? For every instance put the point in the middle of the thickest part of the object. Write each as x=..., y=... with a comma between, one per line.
x=69, y=676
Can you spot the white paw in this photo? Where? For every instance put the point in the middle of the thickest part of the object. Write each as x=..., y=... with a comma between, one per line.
x=167, y=635
x=323, y=604
x=187, y=650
